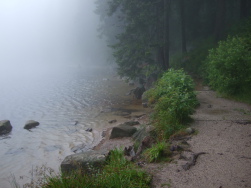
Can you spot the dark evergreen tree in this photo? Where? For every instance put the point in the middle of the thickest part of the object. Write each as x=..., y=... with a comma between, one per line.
x=144, y=33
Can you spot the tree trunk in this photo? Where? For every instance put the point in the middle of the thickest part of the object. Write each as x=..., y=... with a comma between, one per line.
x=183, y=26
x=243, y=9
x=160, y=36
x=166, y=33
x=220, y=19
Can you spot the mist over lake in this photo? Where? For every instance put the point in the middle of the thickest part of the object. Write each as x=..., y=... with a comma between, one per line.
x=53, y=69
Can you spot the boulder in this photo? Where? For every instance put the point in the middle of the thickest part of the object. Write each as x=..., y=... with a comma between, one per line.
x=88, y=162
x=5, y=127
x=31, y=124
x=122, y=131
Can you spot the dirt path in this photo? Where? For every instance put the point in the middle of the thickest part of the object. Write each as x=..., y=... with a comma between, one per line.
x=225, y=135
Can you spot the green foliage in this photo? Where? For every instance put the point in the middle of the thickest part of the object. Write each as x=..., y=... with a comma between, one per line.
x=229, y=66
x=117, y=173
x=134, y=48
x=173, y=99
x=157, y=152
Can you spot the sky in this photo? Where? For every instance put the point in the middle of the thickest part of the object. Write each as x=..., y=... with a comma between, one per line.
x=48, y=32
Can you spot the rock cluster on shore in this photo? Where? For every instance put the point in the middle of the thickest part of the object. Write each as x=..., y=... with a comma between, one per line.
x=6, y=127
x=96, y=158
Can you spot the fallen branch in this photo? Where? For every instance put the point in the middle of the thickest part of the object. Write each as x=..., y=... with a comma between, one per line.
x=192, y=161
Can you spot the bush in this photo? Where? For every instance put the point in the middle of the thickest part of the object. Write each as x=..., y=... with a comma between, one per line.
x=229, y=66
x=173, y=99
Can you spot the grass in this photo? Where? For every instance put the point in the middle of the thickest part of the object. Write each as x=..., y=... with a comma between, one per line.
x=118, y=172
x=158, y=152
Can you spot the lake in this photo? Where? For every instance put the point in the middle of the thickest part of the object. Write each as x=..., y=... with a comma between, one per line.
x=66, y=100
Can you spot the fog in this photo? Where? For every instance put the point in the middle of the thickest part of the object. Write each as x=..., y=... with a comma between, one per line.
x=49, y=32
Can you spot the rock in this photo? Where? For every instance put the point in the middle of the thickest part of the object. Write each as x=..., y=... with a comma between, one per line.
x=88, y=161
x=130, y=123
x=5, y=127
x=129, y=151
x=138, y=92
x=122, y=131
x=112, y=121
x=31, y=124
x=89, y=130
x=190, y=130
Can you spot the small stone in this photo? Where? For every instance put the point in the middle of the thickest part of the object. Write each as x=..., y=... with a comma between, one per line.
x=31, y=124
x=190, y=130
x=89, y=130
x=112, y=121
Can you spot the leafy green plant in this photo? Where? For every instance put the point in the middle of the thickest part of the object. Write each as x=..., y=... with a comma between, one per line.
x=157, y=152
x=173, y=99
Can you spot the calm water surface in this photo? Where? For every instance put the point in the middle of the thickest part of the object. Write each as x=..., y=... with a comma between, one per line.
x=66, y=101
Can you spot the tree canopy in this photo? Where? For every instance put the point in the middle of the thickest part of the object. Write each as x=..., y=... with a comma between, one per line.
x=143, y=34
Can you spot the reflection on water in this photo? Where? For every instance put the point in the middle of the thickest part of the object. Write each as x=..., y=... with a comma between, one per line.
x=65, y=101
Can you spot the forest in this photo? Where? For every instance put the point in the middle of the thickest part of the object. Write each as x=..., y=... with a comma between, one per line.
x=148, y=37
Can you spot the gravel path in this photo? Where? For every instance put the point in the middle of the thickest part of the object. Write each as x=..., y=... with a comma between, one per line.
x=225, y=135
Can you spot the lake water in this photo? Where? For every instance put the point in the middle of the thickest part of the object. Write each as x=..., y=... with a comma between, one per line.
x=66, y=101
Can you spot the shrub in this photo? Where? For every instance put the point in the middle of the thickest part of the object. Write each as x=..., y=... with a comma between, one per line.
x=229, y=66
x=173, y=99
